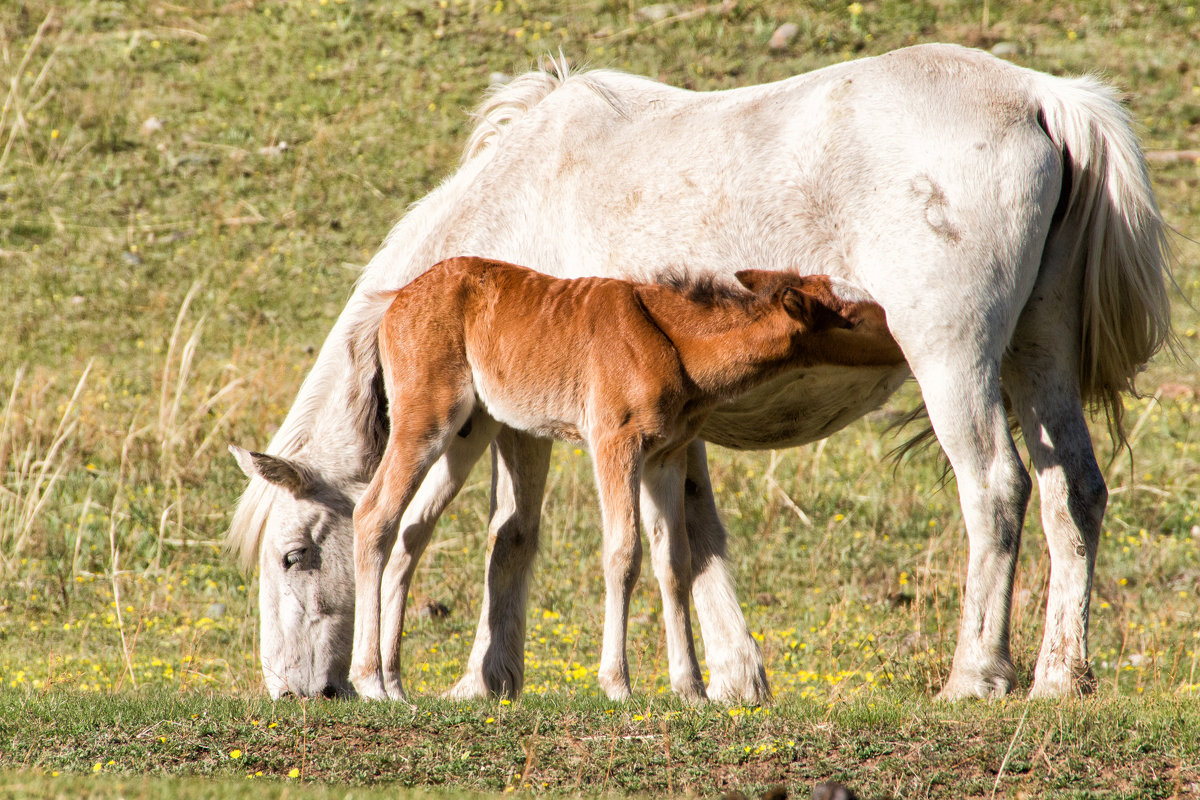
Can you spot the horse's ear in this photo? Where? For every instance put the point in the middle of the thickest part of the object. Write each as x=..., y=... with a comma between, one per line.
x=756, y=279
x=295, y=477
x=811, y=310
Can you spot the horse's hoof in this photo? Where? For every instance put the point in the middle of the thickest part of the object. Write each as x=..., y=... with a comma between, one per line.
x=691, y=690
x=369, y=687
x=749, y=687
x=1055, y=684
x=617, y=688
x=977, y=687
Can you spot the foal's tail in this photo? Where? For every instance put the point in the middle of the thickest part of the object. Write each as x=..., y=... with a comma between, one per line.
x=1118, y=240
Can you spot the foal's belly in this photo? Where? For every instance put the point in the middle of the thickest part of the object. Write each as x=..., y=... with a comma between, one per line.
x=801, y=406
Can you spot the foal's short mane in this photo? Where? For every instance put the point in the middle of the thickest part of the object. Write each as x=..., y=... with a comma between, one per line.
x=706, y=289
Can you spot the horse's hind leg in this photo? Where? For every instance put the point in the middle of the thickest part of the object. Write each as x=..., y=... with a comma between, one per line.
x=440, y=486
x=496, y=665
x=1073, y=497
x=735, y=664
x=967, y=413
x=955, y=336
x=1040, y=375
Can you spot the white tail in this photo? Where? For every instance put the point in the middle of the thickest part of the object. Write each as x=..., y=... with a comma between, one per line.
x=1121, y=246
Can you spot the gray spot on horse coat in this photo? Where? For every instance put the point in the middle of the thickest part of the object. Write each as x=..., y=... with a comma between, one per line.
x=936, y=208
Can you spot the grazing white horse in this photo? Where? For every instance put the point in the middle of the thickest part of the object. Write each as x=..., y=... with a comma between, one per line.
x=1002, y=217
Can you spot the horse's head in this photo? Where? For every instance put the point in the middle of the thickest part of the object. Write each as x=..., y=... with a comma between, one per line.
x=306, y=592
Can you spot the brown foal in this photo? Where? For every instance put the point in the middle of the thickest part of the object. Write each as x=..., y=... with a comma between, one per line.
x=630, y=369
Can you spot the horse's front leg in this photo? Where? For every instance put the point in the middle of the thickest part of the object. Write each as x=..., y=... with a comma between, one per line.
x=496, y=666
x=663, y=519
x=735, y=664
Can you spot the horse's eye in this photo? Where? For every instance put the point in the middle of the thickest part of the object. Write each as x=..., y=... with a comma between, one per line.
x=293, y=558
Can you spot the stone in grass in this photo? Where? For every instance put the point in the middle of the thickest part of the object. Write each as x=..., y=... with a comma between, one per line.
x=432, y=609
x=833, y=791
x=655, y=13
x=151, y=126
x=782, y=38
x=1007, y=49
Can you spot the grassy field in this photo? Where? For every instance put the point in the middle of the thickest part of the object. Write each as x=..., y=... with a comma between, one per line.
x=186, y=192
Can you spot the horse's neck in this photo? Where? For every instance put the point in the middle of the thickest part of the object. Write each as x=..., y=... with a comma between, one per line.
x=722, y=347
x=335, y=424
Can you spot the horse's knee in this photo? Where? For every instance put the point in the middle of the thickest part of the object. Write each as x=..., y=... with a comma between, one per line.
x=513, y=543
x=623, y=561
x=1002, y=495
x=1087, y=500
x=370, y=536
x=673, y=570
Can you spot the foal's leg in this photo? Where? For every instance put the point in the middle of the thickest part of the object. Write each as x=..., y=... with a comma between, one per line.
x=418, y=438
x=496, y=665
x=663, y=520
x=617, y=462
x=735, y=664
x=440, y=486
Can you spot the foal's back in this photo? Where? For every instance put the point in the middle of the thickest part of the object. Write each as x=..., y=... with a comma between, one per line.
x=538, y=351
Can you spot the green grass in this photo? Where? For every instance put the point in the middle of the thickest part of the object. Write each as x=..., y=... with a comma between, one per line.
x=895, y=743
x=169, y=269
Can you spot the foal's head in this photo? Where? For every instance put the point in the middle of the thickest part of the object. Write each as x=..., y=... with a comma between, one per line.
x=852, y=326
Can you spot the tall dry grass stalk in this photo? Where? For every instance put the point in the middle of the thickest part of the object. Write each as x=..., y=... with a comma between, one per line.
x=32, y=472
x=21, y=100
x=176, y=425
x=114, y=551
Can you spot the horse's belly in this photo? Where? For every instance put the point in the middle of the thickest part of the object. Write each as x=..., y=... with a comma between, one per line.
x=801, y=406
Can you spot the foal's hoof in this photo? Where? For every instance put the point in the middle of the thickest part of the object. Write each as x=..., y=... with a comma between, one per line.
x=468, y=687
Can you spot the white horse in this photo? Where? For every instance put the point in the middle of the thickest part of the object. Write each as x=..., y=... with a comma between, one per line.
x=1002, y=217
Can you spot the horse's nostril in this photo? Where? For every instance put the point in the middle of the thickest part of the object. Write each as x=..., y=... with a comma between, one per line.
x=287, y=694
x=330, y=691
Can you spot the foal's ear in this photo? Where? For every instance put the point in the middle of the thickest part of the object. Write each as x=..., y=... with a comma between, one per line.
x=811, y=310
x=756, y=279
x=291, y=475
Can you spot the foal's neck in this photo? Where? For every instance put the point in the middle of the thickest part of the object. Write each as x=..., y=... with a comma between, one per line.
x=725, y=346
